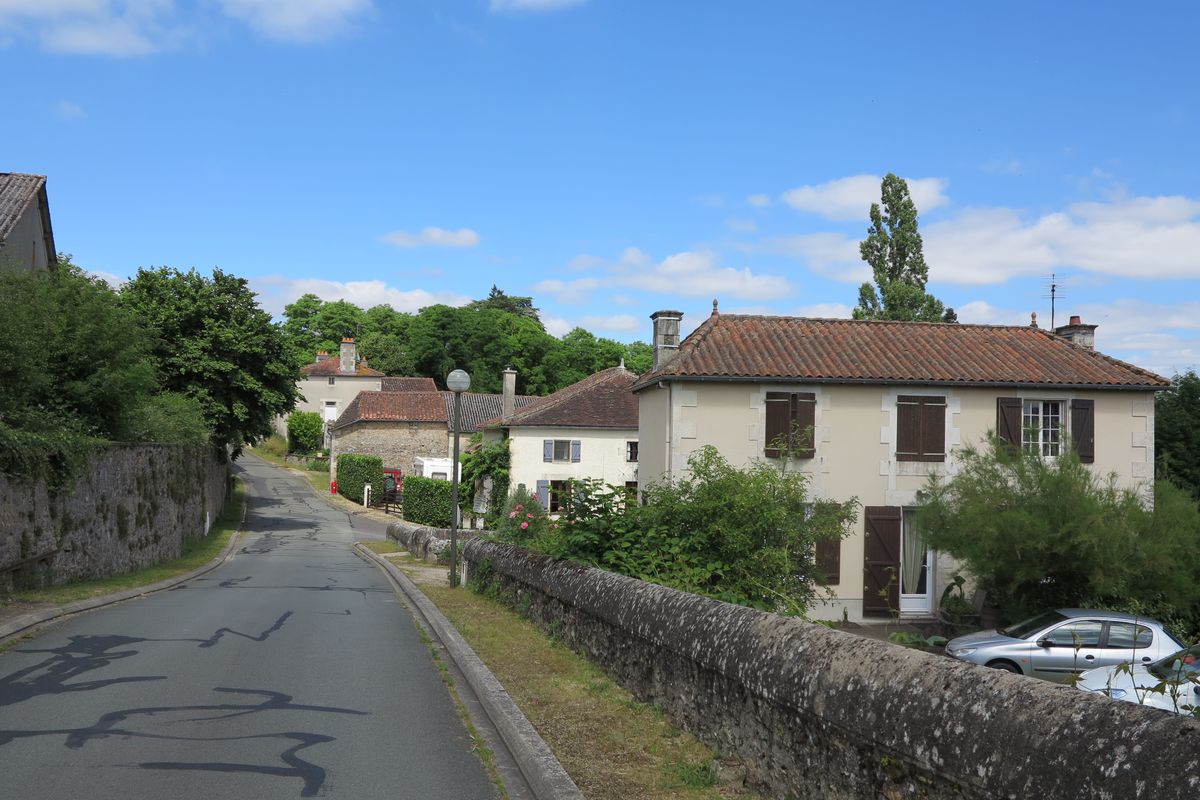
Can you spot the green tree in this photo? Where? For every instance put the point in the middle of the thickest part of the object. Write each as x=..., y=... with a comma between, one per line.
x=1044, y=533
x=211, y=341
x=894, y=250
x=639, y=357
x=1177, y=432
x=305, y=432
x=521, y=306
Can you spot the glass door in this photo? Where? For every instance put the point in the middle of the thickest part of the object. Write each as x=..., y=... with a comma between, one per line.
x=915, y=558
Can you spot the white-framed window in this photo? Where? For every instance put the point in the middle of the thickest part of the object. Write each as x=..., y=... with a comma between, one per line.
x=563, y=450
x=1042, y=423
x=631, y=451
x=332, y=380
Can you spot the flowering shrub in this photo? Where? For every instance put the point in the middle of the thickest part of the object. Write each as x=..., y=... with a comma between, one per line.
x=524, y=521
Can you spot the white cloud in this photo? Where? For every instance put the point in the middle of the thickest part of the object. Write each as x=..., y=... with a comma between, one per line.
x=834, y=255
x=741, y=225
x=433, y=237
x=499, y=6
x=69, y=111
x=693, y=274
x=981, y=312
x=623, y=299
x=583, y=263
x=851, y=198
x=569, y=292
x=277, y=291
x=759, y=200
x=112, y=280
x=612, y=322
x=826, y=311
x=296, y=20
x=557, y=326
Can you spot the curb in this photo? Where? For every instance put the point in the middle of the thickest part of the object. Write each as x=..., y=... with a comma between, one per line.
x=545, y=776
x=24, y=622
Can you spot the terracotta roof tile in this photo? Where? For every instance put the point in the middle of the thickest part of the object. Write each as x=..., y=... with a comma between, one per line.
x=737, y=347
x=393, y=407
x=406, y=384
x=332, y=367
x=602, y=400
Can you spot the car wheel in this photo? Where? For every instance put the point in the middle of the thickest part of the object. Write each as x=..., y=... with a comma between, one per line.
x=1005, y=666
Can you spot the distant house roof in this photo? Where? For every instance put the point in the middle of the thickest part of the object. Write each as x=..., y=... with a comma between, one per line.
x=761, y=348
x=408, y=385
x=479, y=408
x=17, y=193
x=332, y=367
x=374, y=406
x=602, y=400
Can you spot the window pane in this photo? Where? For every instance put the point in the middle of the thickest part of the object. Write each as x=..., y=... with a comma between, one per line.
x=1121, y=634
x=562, y=449
x=1085, y=633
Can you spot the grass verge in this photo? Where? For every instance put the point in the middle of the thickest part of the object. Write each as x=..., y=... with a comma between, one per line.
x=612, y=746
x=196, y=553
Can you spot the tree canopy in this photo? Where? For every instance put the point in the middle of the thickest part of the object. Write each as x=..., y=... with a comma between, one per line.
x=894, y=250
x=1177, y=432
x=211, y=341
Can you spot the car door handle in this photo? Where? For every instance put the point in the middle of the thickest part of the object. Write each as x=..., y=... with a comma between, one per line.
x=1145, y=659
x=1089, y=658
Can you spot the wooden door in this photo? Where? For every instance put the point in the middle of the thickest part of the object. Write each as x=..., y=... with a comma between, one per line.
x=881, y=561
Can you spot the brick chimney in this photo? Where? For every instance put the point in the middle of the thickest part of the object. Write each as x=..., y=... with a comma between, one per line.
x=349, y=359
x=666, y=336
x=508, y=403
x=1078, y=333
x=322, y=355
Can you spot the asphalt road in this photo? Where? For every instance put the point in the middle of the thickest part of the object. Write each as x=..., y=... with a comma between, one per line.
x=290, y=671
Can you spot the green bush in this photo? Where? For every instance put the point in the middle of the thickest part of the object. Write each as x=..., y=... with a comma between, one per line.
x=274, y=445
x=427, y=501
x=170, y=417
x=355, y=471
x=306, y=431
x=318, y=465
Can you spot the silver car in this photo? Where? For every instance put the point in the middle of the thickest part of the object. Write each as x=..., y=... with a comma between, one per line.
x=1059, y=644
x=1171, y=683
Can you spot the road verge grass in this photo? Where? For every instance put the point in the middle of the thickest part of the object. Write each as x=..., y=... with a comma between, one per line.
x=196, y=553
x=612, y=746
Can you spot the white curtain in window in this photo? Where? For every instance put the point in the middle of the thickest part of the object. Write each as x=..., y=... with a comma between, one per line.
x=913, y=556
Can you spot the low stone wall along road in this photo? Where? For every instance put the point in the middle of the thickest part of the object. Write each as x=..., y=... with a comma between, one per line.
x=290, y=671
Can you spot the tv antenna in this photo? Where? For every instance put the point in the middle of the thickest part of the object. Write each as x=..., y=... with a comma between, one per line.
x=1055, y=290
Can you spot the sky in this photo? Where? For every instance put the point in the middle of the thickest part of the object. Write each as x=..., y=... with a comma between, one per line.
x=616, y=157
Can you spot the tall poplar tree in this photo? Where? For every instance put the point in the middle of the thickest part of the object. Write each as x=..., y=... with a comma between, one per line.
x=894, y=250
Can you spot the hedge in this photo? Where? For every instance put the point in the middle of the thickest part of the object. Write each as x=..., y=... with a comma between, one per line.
x=355, y=471
x=305, y=432
x=427, y=501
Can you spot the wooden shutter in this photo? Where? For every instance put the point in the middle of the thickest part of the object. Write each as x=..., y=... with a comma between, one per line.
x=1008, y=421
x=778, y=419
x=576, y=450
x=1083, y=429
x=543, y=493
x=920, y=428
x=804, y=422
x=547, y=450
x=829, y=561
x=908, y=428
x=881, y=560
x=933, y=429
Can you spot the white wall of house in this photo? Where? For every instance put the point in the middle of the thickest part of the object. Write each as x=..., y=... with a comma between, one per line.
x=25, y=245
x=855, y=434
x=602, y=456
x=317, y=394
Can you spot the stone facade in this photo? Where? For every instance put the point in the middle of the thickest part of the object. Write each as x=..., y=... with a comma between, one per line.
x=397, y=443
x=136, y=507
x=814, y=712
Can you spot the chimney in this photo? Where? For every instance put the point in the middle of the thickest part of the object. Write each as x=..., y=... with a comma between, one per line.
x=322, y=356
x=666, y=336
x=349, y=361
x=1078, y=333
x=509, y=401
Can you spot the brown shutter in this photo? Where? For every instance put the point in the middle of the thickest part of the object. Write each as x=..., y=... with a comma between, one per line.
x=804, y=417
x=933, y=429
x=778, y=421
x=829, y=561
x=908, y=428
x=1008, y=421
x=1083, y=429
x=881, y=561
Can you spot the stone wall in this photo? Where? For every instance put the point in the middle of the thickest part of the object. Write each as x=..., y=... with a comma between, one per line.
x=135, y=507
x=397, y=443
x=814, y=712
x=425, y=542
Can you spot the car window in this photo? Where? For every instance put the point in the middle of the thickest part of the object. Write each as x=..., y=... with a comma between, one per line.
x=1023, y=629
x=1084, y=633
x=1129, y=636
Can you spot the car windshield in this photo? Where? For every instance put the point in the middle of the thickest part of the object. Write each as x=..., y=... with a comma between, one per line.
x=1032, y=625
x=1184, y=665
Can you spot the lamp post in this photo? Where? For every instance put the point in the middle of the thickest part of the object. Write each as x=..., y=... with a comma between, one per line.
x=458, y=382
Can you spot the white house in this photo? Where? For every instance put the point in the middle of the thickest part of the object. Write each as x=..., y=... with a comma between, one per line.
x=328, y=385
x=887, y=403
x=587, y=430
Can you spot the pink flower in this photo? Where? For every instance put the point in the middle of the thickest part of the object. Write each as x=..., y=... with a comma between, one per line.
x=520, y=507
x=524, y=525
x=529, y=516
x=512, y=514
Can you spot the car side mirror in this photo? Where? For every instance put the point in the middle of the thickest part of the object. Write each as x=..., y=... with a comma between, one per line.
x=1044, y=642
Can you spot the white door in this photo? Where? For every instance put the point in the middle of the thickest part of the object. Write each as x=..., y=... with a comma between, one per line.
x=916, y=594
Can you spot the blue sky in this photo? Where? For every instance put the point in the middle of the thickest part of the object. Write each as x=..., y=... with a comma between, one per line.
x=614, y=157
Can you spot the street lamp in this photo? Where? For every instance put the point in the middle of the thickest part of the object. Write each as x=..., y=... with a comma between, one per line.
x=458, y=382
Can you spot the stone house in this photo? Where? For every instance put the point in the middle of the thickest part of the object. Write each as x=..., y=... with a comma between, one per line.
x=870, y=409
x=26, y=236
x=328, y=385
x=399, y=427
x=587, y=430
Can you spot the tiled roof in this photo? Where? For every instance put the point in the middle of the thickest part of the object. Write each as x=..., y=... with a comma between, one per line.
x=409, y=385
x=333, y=367
x=602, y=400
x=17, y=191
x=478, y=408
x=393, y=407
x=737, y=347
